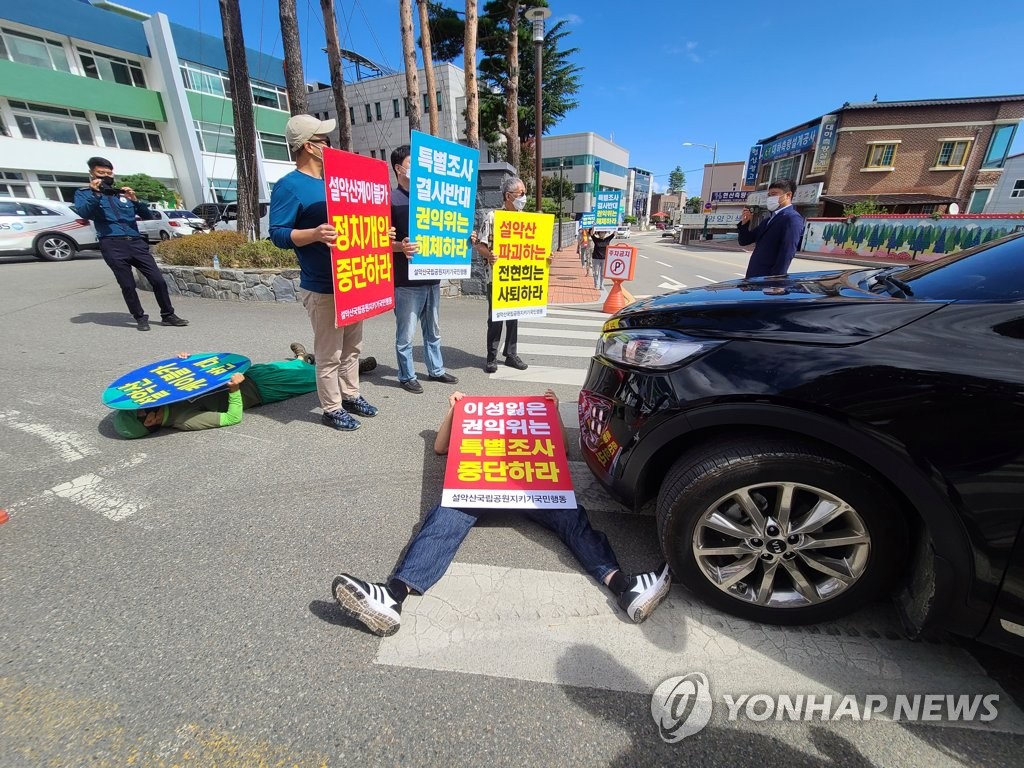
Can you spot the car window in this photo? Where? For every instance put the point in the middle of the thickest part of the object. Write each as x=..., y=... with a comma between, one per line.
x=12, y=209
x=178, y=214
x=38, y=210
x=990, y=273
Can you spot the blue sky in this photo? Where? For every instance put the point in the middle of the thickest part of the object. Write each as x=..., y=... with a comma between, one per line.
x=726, y=72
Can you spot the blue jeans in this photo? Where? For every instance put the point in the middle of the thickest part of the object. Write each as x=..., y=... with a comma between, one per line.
x=439, y=538
x=421, y=303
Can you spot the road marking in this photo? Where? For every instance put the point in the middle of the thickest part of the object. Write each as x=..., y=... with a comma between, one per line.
x=543, y=374
x=664, y=264
x=707, y=278
x=642, y=256
x=673, y=281
x=597, y=322
x=739, y=274
x=557, y=350
x=598, y=315
x=70, y=446
x=558, y=333
x=564, y=629
x=98, y=495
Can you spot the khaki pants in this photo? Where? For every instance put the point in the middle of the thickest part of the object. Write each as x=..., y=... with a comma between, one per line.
x=336, y=350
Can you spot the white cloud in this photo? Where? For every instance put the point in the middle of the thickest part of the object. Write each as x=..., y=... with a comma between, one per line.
x=691, y=45
x=572, y=19
x=691, y=53
x=657, y=187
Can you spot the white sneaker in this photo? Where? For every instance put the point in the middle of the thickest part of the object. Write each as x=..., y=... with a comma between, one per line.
x=645, y=593
x=372, y=604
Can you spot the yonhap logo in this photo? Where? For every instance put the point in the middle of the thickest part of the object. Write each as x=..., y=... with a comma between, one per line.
x=681, y=706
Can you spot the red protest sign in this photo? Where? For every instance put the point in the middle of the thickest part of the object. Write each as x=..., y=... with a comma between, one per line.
x=359, y=207
x=507, y=453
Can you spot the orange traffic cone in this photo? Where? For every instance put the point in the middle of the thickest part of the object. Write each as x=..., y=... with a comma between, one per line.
x=616, y=299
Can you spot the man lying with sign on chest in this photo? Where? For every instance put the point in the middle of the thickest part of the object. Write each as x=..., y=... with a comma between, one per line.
x=379, y=606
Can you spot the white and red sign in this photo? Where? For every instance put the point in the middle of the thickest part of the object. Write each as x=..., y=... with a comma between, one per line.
x=620, y=262
x=507, y=453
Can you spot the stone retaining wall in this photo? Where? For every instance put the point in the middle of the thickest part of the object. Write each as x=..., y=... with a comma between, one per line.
x=241, y=284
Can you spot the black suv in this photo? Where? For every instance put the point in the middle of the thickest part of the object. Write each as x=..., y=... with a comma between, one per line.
x=817, y=439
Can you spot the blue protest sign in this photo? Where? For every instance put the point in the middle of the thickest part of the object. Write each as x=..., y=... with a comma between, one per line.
x=442, y=207
x=588, y=219
x=172, y=380
x=607, y=209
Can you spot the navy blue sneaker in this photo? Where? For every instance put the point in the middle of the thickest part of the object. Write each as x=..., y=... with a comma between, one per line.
x=360, y=406
x=339, y=420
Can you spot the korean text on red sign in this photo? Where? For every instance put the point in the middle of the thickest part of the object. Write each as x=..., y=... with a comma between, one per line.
x=507, y=453
x=359, y=208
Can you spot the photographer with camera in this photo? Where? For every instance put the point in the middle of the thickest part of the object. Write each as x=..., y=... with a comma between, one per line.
x=113, y=209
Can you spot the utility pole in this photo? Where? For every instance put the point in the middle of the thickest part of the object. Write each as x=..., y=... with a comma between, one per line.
x=293, y=73
x=428, y=66
x=472, y=97
x=337, y=75
x=246, y=160
x=412, y=80
x=561, y=190
x=511, y=131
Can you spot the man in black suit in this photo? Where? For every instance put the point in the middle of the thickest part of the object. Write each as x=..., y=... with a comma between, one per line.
x=778, y=236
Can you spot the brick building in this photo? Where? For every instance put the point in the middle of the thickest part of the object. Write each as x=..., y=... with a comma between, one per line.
x=909, y=156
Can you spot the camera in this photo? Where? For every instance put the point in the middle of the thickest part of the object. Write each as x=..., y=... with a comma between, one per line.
x=107, y=186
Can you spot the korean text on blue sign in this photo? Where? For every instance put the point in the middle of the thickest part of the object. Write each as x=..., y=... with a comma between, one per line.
x=170, y=381
x=442, y=180
x=607, y=209
x=588, y=219
x=734, y=196
x=753, y=166
x=792, y=144
x=826, y=144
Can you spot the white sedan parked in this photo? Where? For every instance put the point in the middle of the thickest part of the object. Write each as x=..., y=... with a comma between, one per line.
x=172, y=223
x=48, y=229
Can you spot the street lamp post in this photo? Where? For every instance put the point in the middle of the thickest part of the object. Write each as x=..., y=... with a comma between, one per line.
x=711, y=178
x=537, y=16
x=561, y=167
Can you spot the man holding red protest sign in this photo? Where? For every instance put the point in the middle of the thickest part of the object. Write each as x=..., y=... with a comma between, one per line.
x=379, y=606
x=299, y=220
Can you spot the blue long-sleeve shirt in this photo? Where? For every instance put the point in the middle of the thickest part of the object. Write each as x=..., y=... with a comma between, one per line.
x=113, y=215
x=299, y=201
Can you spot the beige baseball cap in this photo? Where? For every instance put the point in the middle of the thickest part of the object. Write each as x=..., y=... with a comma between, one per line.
x=301, y=128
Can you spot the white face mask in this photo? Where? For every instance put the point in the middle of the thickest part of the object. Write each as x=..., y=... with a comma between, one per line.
x=772, y=203
x=519, y=203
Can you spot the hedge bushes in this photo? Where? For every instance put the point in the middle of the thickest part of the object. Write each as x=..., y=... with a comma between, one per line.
x=234, y=252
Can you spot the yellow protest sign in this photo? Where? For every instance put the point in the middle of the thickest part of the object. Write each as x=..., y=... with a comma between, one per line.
x=522, y=245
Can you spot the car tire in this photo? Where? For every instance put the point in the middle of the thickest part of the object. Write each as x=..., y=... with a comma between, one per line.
x=164, y=235
x=700, y=511
x=54, y=247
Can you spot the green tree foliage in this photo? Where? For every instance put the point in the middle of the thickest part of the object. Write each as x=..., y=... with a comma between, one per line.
x=676, y=181
x=556, y=189
x=863, y=208
x=148, y=189
x=693, y=204
x=560, y=79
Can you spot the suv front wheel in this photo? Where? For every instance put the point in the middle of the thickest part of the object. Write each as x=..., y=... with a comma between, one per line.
x=778, y=531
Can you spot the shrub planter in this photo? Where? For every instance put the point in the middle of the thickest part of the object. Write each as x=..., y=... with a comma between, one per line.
x=242, y=284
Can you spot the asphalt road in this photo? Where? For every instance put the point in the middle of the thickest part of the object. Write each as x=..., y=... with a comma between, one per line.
x=167, y=601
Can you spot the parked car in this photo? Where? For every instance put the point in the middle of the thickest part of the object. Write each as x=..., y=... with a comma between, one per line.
x=623, y=232
x=816, y=440
x=52, y=231
x=228, y=219
x=172, y=223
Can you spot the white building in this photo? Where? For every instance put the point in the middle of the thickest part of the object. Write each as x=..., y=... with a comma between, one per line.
x=1008, y=195
x=575, y=155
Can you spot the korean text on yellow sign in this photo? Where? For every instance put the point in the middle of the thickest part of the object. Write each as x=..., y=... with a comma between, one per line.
x=522, y=245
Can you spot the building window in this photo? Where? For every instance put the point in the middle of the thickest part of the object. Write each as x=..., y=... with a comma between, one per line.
x=33, y=50
x=1018, y=188
x=128, y=133
x=266, y=95
x=438, y=95
x=219, y=139
x=394, y=106
x=999, y=146
x=102, y=66
x=369, y=114
x=67, y=126
x=352, y=115
x=880, y=155
x=426, y=104
x=224, y=190
x=373, y=153
x=952, y=153
x=786, y=169
x=62, y=186
x=376, y=108
x=978, y=200
x=274, y=146
x=10, y=186
x=405, y=103
x=205, y=79
x=382, y=155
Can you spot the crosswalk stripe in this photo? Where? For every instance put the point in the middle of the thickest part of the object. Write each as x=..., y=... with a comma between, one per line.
x=558, y=333
x=555, y=350
x=593, y=313
x=597, y=322
x=543, y=374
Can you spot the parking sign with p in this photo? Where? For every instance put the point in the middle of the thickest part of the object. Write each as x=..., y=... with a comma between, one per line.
x=620, y=262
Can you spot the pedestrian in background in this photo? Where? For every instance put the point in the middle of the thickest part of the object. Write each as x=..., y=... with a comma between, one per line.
x=777, y=237
x=113, y=209
x=601, y=243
